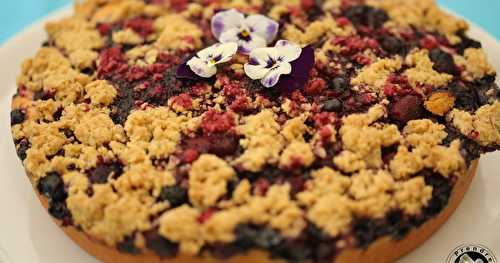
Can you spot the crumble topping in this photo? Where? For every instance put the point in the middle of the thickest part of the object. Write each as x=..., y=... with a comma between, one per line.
x=127, y=36
x=476, y=64
x=316, y=30
x=360, y=153
x=398, y=103
x=83, y=58
x=422, y=72
x=413, y=195
x=422, y=13
x=375, y=75
x=262, y=142
x=208, y=179
x=176, y=32
x=440, y=103
x=483, y=125
x=100, y=92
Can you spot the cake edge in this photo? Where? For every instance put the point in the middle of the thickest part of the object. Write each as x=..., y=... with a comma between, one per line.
x=377, y=252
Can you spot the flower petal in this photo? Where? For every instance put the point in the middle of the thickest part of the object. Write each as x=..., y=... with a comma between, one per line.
x=208, y=52
x=256, y=41
x=289, y=83
x=261, y=56
x=226, y=20
x=184, y=72
x=262, y=26
x=230, y=35
x=255, y=71
x=287, y=50
x=226, y=51
x=273, y=76
x=303, y=65
x=200, y=67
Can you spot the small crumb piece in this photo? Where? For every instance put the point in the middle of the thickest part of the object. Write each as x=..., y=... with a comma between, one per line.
x=440, y=103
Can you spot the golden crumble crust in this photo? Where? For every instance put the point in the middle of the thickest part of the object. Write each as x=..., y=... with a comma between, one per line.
x=397, y=105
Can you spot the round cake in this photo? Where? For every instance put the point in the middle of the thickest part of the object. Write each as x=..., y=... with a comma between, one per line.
x=254, y=130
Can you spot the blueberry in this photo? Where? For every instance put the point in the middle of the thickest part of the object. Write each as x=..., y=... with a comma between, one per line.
x=128, y=246
x=160, y=245
x=101, y=173
x=22, y=147
x=339, y=84
x=333, y=105
x=443, y=61
x=88, y=71
x=52, y=186
x=17, y=116
x=175, y=195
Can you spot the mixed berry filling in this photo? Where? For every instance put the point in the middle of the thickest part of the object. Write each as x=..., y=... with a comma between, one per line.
x=324, y=94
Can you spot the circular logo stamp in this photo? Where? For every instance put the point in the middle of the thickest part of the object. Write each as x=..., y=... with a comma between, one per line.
x=471, y=254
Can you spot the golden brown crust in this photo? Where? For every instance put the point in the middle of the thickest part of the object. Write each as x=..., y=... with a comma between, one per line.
x=375, y=253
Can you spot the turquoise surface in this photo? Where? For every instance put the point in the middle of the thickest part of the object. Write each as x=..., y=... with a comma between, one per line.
x=17, y=14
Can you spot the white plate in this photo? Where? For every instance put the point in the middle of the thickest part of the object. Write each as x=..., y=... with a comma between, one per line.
x=27, y=234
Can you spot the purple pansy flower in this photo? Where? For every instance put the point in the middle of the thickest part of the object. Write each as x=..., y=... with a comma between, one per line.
x=204, y=63
x=286, y=58
x=252, y=32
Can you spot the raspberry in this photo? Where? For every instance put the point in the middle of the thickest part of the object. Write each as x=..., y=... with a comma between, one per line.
x=217, y=122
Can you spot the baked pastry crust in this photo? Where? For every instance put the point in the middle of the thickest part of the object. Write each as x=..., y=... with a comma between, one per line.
x=163, y=129
x=375, y=253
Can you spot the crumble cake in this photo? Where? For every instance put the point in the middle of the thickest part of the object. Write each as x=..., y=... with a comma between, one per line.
x=254, y=130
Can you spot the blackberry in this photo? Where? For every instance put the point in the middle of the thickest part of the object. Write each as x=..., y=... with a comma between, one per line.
x=249, y=236
x=160, y=245
x=366, y=231
x=128, y=246
x=52, y=186
x=393, y=45
x=397, y=224
x=363, y=15
x=175, y=195
x=42, y=95
x=22, y=147
x=406, y=109
x=441, y=191
x=465, y=98
x=101, y=173
x=443, y=61
x=57, y=115
x=59, y=210
x=333, y=105
x=17, y=116
x=466, y=43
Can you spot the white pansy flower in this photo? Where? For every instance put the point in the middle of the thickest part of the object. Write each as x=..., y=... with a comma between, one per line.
x=250, y=32
x=204, y=64
x=268, y=64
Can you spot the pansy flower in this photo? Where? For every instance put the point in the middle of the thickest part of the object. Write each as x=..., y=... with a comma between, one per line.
x=287, y=59
x=204, y=63
x=250, y=32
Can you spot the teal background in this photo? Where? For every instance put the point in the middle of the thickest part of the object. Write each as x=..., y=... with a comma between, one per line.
x=17, y=14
